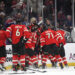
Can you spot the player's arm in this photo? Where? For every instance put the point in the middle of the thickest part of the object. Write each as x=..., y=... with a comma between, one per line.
x=42, y=40
x=29, y=43
x=27, y=34
x=8, y=33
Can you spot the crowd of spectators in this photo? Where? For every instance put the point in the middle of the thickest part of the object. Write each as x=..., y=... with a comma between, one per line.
x=12, y=11
x=64, y=13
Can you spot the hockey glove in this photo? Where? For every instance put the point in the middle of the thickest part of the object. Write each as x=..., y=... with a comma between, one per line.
x=10, y=40
x=25, y=40
x=61, y=45
x=40, y=50
x=21, y=42
x=46, y=53
x=32, y=48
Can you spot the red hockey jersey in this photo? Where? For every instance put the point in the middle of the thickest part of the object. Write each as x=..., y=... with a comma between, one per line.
x=16, y=32
x=32, y=41
x=47, y=38
x=59, y=35
x=3, y=37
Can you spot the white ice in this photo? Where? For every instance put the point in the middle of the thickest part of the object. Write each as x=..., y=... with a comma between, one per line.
x=50, y=71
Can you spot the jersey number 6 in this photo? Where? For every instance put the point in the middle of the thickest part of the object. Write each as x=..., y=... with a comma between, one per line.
x=17, y=32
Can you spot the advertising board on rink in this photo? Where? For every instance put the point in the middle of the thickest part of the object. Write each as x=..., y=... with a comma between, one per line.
x=69, y=51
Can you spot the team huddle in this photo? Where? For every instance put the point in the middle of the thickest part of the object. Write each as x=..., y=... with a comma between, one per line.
x=29, y=42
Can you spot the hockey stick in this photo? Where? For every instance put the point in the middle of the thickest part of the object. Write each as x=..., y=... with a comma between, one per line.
x=22, y=73
x=37, y=70
x=1, y=70
x=15, y=73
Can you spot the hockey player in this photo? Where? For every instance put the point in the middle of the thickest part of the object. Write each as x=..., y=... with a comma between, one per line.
x=44, y=54
x=18, y=35
x=35, y=32
x=3, y=37
x=30, y=45
x=35, y=42
x=49, y=45
x=60, y=37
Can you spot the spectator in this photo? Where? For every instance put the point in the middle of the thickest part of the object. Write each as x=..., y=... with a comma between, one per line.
x=19, y=17
x=2, y=6
x=61, y=18
x=9, y=22
x=25, y=21
x=40, y=21
x=69, y=23
x=2, y=17
x=8, y=5
x=48, y=23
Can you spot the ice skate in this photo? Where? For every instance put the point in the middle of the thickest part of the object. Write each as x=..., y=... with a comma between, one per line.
x=15, y=68
x=43, y=66
x=23, y=68
x=61, y=65
x=35, y=65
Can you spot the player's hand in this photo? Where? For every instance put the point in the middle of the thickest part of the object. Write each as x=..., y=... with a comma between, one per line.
x=40, y=50
x=10, y=39
x=61, y=44
x=24, y=40
x=46, y=53
x=32, y=48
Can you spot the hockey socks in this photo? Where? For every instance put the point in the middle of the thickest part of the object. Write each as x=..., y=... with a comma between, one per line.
x=58, y=57
x=53, y=60
x=22, y=60
x=2, y=60
x=15, y=60
x=34, y=61
x=65, y=61
x=44, y=58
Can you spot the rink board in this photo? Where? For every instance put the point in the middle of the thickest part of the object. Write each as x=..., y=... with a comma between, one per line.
x=69, y=50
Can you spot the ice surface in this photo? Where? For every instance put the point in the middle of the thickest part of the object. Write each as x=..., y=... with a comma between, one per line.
x=50, y=71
